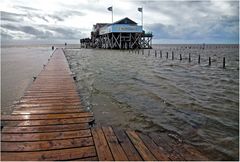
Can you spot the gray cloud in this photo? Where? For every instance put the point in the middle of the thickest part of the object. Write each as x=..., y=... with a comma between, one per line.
x=215, y=20
x=8, y=16
x=194, y=19
x=38, y=33
x=66, y=13
x=25, y=8
x=32, y=13
x=56, y=17
x=5, y=36
x=44, y=32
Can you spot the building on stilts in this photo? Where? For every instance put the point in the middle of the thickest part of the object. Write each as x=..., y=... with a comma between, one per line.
x=122, y=34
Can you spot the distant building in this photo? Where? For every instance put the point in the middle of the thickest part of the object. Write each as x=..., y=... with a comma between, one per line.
x=122, y=34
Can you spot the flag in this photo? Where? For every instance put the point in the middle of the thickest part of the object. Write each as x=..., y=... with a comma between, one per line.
x=110, y=8
x=140, y=9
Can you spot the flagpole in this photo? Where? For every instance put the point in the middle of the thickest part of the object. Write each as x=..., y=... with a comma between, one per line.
x=112, y=14
x=142, y=17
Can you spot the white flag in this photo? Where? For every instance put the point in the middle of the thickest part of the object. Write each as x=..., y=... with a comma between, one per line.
x=110, y=8
x=140, y=9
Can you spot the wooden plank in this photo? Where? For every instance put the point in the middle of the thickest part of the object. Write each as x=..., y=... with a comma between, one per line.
x=46, y=136
x=63, y=154
x=50, y=99
x=53, y=107
x=184, y=150
x=127, y=145
x=45, y=111
x=191, y=153
x=29, y=93
x=115, y=147
x=46, y=145
x=157, y=151
x=103, y=151
x=94, y=158
x=172, y=154
x=50, y=102
x=48, y=105
x=49, y=128
x=48, y=116
x=49, y=122
x=139, y=145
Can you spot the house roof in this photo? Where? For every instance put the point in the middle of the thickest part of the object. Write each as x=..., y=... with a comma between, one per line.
x=125, y=20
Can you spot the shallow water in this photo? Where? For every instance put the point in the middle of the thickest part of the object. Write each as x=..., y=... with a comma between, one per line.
x=198, y=103
x=18, y=66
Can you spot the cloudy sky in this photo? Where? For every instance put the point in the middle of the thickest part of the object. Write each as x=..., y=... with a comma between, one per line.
x=69, y=20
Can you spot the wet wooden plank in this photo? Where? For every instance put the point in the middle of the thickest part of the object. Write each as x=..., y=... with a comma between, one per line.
x=48, y=116
x=46, y=145
x=184, y=150
x=51, y=102
x=116, y=149
x=63, y=154
x=45, y=111
x=157, y=151
x=47, y=104
x=46, y=136
x=50, y=122
x=52, y=107
x=49, y=128
x=50, y=99
x=94, y=158
x=127, y=145
x=37, y=93
x=103, y=150
x=139, y=145
x=172, y=154
x=58, y=96
x=191, y=153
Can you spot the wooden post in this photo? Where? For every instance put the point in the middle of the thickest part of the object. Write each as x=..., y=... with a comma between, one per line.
x=160, y=54
x=172, y=55
x=224, y=62
x=143, y=52
x=199, y=57
x=189, y=57
x=180, y=57
x=148, y=52
x=155, y=53
x=167, y=55
x=209, y=61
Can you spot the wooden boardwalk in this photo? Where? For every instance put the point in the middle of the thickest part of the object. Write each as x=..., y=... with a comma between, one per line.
x=49, y=123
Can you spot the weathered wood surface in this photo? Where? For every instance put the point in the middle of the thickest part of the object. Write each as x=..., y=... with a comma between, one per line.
x=49, y=123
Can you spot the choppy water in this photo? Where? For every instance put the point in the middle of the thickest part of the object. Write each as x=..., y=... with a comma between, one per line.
x=200, y=104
